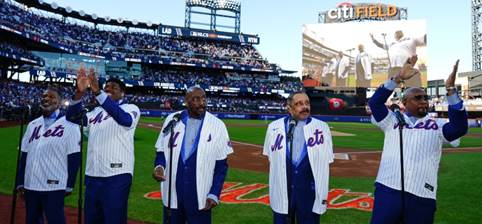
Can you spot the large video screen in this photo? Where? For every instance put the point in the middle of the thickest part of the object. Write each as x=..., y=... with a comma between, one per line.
x=362, y=54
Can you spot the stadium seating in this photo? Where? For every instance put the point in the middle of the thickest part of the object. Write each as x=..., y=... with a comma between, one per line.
x=84, y=37
x=133, y=45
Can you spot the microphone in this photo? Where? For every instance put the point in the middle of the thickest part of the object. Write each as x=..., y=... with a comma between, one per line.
x=26, y=108
x=176, y=118
x=291, y=128
x=398, y=114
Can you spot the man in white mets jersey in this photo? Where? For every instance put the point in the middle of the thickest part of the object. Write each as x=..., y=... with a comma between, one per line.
x=199, y=161
x=110, y=149
x=49, y=162
x=308, y=172
x=422, y=148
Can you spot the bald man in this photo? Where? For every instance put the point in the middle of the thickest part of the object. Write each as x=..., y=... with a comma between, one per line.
x=200, y=146
x=422, y=148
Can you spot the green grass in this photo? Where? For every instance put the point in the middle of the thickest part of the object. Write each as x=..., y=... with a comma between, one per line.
x=459, y=180
x=366, y=135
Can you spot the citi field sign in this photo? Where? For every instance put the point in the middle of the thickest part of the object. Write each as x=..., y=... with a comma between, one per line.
x=346, y=11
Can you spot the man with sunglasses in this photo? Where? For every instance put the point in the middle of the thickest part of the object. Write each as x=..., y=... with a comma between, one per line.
x=422, y=148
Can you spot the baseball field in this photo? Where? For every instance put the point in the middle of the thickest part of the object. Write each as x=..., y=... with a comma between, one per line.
x=244, y=198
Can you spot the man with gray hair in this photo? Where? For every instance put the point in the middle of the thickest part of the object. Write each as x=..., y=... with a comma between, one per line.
x=193, y=180
x=300, y=150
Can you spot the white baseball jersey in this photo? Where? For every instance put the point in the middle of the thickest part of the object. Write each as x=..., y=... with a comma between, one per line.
x=422, y=149
x=342, y=66
x=110, y=148
x=366, y=61
x=320, y=155
x=47, y=151
x=214, y=144
x=401, y=50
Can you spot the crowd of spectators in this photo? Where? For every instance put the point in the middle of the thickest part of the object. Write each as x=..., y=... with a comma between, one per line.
x=214, y=104
x=129, y=44
x=230, y=79
x=86, y=38
x=15, y=95
x=10, y=48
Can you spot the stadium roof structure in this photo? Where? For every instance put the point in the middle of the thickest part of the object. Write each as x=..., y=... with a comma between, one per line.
x=288, y=71
x=232, y=7
x=81, y=15
x=229, y=5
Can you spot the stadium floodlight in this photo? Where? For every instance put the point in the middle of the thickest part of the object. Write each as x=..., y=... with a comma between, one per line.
x=68, y=9
x=222, y=3
x=202, y=3
x=41, y=2
x=120, y=20
x=149, y=23
x=107, y=19
x=231, y=5
x=81, y=13
x=54, y=5
x=135, y=22
x=94, y=16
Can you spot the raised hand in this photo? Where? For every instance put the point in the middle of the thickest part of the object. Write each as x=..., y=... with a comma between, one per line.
x=82, y=83
x=450, y=82
x=407, y=70
x=94, y=81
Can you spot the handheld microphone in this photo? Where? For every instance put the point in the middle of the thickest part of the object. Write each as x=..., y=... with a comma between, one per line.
x=398, y=114
x=24, y=109
x=176, y=118
x=291, y=128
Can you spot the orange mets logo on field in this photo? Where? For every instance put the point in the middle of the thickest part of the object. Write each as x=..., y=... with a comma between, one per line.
x=238, y=193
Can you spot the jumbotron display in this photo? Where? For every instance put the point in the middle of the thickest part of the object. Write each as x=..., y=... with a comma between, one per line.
x=362, y=54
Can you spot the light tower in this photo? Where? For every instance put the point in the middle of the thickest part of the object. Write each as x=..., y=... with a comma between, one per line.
x=227, y=9
x=476, y=38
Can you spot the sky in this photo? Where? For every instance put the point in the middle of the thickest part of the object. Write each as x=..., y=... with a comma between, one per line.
x=279, y=25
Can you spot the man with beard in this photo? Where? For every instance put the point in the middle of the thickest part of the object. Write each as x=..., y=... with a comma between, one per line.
x=298, y=175
x=200, y=146
x=110, y=150
x=49, y=162
x=422, y=142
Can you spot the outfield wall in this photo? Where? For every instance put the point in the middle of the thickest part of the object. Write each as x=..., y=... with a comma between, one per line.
x=252, y=116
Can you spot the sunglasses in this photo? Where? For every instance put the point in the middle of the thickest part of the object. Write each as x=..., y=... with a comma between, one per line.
x=421, y=97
